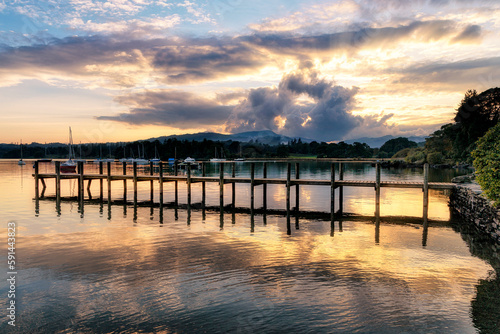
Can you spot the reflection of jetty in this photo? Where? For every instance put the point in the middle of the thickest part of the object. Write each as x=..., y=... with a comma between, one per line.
x=222, y=179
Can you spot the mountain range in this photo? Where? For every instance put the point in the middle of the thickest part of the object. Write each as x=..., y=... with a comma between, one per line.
x=271, y=138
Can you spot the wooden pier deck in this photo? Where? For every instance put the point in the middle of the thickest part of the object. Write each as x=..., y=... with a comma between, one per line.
x=223, y=179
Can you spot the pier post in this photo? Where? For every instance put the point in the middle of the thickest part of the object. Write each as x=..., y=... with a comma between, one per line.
x=176, y=183
x=252, y=187
x=426, y=194
x=81, y=186
x=377, y=191
x=124, y=169
x=297, y=188
x=203, y=190
x=108, y=178
x=221, y=187
x=341, y=189
x=332, y=194
x=188, y=181
x=160, y=166
x=264, y=187
x=101, y=182
x=134, y=168
x=288, y=183
x=151, y=185
x=233, y=186
x=58, y=181
x=37, y=190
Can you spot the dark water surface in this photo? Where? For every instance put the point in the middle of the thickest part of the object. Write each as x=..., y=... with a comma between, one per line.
x=106, y=271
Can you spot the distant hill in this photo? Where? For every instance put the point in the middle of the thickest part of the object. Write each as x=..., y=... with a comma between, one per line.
x=379, y=141
x=263, y=137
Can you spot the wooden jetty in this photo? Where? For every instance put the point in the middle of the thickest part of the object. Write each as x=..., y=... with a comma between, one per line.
x=223, y=179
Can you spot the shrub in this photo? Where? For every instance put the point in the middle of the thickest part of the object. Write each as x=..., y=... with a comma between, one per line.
x=487, y=163
x=435, y=158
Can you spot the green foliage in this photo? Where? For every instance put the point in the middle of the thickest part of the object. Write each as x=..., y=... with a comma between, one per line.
x=395, y=145
x=487, y=163
x=416, y=155
x=402, y=154
x=435, y=158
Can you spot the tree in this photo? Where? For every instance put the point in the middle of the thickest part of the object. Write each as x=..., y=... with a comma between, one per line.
x=487, y=163
x=395, y=145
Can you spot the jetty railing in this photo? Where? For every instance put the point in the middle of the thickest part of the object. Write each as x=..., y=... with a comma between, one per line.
x=222, y=179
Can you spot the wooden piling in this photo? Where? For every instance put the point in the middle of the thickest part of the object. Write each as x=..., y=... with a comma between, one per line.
x=176, y=183
x=377, y=191
x=160, y=166
x=37, y=189
x=252, y=187
x=233, y=186
x=341, y=190
x=101, y=182
x=108, y=178
x=58, y=181
x=426, y=194
x=124, y=169
x=89, y=194
x=297, y=189
x=264, y=186
x=134, y=170
x=332, y=194
x=203, y=185
x=221, y=187
x=288, y=184
x=81, y=187
x=151, y=184
x=188, y=181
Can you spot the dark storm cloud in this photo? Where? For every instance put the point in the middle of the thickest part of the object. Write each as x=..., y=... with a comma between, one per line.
x=174, y=108
x=325, y=116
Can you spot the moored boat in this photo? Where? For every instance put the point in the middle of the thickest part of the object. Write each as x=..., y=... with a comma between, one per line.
x=69, y=166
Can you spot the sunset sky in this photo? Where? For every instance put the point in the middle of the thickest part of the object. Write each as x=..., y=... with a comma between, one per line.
x=125, y=70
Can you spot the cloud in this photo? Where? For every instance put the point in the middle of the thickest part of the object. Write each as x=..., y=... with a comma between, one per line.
x=170, y=107
x=303, y=105
x=471, y=34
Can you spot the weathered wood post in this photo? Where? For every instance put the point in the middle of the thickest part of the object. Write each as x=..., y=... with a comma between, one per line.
x=81, y=186
x=252, y=188
x=377, y=191
x=176, y=183
x=341, y=189
x=188, y=181
x=160, y=166
x=297, y=189
x=332, y=193
x=134, y=171
x=124, y=169
x=151, y=183
x=37, y=190
x=233, y=186
x=58, y=181
x=426, y=194
x=297, y=195
x=221, y=187
x=203, y=190
x=288, y=183
x=108, y=178
x=264, y=187
x=101, y=181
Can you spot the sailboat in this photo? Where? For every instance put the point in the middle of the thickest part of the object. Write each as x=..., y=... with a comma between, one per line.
x=218, y=159
x=156, y=159
x=140, y=160
x=69, y=166
x=21, y=162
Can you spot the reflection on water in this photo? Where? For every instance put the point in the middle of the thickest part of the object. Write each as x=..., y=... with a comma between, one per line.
x=118, y=269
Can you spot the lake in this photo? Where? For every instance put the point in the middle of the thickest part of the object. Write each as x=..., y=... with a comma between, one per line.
x=109, y=269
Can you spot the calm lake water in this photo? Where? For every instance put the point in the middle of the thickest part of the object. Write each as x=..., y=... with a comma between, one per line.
x=109, y=270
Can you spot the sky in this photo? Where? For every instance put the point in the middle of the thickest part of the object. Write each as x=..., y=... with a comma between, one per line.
x=125, y=70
